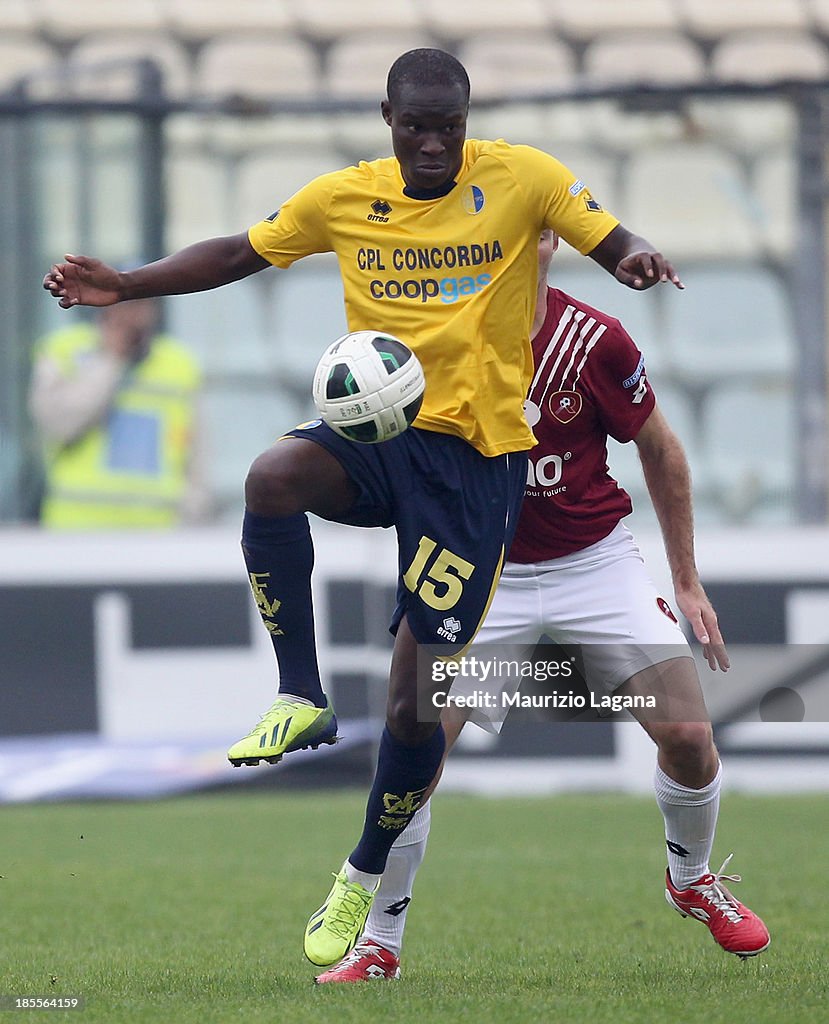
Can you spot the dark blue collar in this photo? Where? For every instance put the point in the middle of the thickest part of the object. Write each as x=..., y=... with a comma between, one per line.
x=430, y=193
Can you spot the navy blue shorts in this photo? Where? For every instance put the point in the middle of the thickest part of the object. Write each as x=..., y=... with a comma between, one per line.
x=455, y=513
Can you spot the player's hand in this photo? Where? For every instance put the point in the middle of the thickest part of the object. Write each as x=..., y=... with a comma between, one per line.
x=83, y=281
x=641, y=270
x=694, y=604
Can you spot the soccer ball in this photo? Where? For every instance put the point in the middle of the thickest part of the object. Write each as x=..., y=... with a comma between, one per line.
x=368, y=386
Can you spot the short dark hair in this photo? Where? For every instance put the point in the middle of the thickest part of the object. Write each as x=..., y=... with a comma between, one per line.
x=426, y=66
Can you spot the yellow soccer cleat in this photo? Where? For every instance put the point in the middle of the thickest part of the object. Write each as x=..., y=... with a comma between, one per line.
x=289, y=724
x=334, y=929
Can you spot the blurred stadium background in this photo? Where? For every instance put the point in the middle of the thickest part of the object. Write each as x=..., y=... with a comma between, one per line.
x=127, y=130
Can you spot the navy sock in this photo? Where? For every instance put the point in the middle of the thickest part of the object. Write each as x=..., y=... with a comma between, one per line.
x=403, y=774
x=279, y=556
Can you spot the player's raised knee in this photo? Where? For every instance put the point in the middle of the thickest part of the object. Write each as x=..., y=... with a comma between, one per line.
x=402, y=721
x=273, y=486
x=689, y=742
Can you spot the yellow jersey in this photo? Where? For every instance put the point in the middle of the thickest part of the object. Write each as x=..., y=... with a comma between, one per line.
x=451, y=272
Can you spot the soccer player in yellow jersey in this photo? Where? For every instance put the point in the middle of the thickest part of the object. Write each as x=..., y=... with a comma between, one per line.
x=436, y=245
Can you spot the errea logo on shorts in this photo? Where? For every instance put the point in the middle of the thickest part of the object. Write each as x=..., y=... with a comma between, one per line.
x=450, y=629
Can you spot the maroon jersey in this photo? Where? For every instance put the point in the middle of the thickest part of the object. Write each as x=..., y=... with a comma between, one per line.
x=589, y=383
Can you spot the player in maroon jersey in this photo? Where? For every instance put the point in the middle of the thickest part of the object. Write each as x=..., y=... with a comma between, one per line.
x=576, y=575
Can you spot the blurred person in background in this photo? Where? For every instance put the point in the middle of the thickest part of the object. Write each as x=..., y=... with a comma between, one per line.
x=116, y=404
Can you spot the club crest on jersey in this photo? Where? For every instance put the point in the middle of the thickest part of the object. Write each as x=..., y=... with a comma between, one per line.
x=665, y=608
x=472, y=199
x=565, y=405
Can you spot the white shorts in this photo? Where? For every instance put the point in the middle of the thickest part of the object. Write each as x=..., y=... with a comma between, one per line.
x=599, y=599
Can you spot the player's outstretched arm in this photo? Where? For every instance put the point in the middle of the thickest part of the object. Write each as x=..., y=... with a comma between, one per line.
x=668, y=480
x=633, y=261
x=84, y=281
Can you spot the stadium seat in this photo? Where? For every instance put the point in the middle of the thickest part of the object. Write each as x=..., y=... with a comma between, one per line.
x=217, y=136
x=681, y=415
x=513, y=63
x=626, y=128
x=267, y=179
x=625, y=467
x=766, y=56
x=596, y=168
x=749, y=435
x=747, y=126
x=636, y=58
x=59, y=211
x=90, y=80
x=241, y=420
x=308, y=314
x=587, y=281
x=89, y=187
x=820, y=15
x=198, y=199
x=713, y=18
x=529, y=124
x=775, y=194
x=731, y=321
x=84, y=17
x=17, y=16
x=227, y=328
x=680, y=412
x=21, y=55
x=486, y=16
x=357, y=64
x=200, y=20
x=327, y=19
x=588, y=18
x=360, y=135
x=92, y=202
x=691, y=200
x=269, y=67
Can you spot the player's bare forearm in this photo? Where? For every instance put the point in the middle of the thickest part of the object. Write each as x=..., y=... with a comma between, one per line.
x=85, y=281
x=200, y=267
x=668, y=479
x=633, y=260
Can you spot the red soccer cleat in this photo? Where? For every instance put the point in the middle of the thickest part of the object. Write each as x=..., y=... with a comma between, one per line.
x=367, y=961
x=736, y=928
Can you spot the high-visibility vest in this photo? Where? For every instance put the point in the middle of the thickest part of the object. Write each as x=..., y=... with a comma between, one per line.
x=130, y=471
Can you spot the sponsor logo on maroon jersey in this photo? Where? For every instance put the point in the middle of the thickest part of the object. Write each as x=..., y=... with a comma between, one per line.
x=565, y=405
x=665, y=608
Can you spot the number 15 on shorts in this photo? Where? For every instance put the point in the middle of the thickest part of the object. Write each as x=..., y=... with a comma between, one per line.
x=437, y=578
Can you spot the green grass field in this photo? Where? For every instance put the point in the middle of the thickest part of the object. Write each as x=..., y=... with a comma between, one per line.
x=192, y=910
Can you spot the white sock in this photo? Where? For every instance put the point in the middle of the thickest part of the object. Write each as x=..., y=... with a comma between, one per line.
x=363, y=878
x=387, y=917
x=690, y=823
